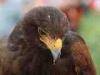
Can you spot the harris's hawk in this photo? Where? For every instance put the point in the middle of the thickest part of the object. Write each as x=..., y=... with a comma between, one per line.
x=43, y=44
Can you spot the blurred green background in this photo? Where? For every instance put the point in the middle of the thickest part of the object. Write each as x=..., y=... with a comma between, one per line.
x=90, y=30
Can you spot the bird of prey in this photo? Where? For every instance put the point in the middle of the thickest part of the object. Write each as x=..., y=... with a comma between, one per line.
x=43, y=44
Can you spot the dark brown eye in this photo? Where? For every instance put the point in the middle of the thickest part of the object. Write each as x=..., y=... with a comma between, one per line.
x=41, y=31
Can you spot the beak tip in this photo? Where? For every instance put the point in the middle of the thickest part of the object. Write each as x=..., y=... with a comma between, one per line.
x=56, y=54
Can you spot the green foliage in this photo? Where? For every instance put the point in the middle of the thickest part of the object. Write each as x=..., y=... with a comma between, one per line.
x=90, y=30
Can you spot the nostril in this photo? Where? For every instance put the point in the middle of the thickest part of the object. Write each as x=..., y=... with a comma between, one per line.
x=54, y=45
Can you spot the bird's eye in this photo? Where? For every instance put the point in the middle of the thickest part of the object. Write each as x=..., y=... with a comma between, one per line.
x=41, y=31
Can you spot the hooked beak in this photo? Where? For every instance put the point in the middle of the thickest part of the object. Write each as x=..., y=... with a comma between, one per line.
x=54, y=45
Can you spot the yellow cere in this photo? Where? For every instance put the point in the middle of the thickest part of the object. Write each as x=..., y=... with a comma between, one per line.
x=52, y=44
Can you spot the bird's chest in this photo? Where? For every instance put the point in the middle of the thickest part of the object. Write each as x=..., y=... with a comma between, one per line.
x=40, y=63
x=63, y=66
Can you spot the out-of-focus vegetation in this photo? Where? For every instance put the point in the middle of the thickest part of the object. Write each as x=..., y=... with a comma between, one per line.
x=90, y=30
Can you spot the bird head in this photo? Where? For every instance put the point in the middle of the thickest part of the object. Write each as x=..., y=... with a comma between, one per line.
x=48, y=25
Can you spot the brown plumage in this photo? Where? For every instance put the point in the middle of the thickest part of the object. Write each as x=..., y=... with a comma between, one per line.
x=26, y=54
